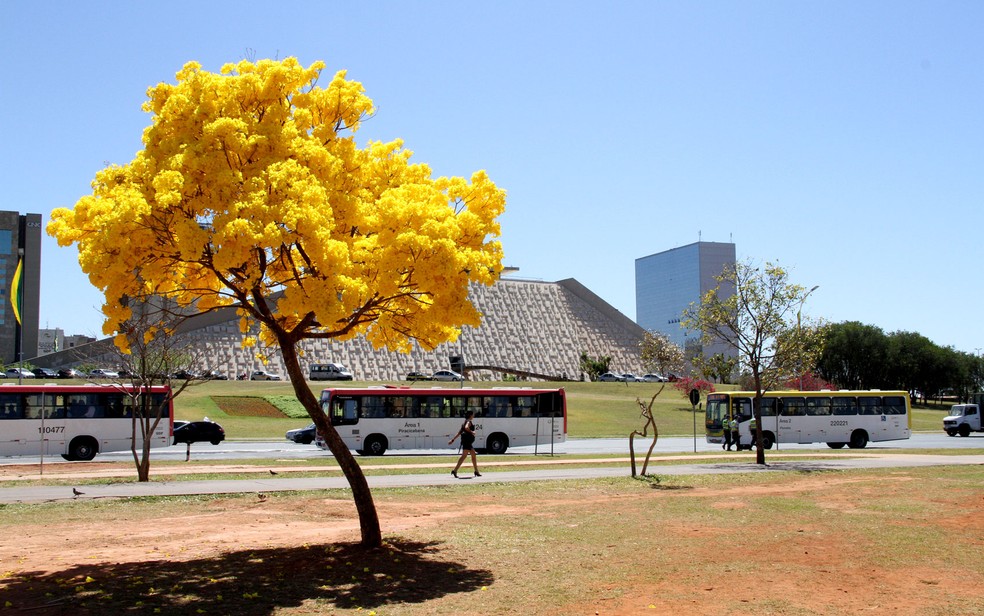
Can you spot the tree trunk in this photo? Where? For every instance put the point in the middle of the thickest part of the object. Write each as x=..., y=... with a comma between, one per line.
x=141, y=459
x=368, y=518
x=757, y=414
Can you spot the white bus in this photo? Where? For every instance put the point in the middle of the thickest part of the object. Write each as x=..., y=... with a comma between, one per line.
x=374, y=420
x=77, y=421
x=838, y=418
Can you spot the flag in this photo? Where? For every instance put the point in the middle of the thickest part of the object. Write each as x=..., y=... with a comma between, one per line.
x=15, y=288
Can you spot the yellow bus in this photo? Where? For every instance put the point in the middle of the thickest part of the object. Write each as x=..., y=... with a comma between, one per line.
x=838, y=418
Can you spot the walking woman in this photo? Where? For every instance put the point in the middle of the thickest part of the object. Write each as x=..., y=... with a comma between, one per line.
x=467, y=434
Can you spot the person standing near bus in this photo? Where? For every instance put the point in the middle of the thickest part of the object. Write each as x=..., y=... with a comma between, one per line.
x=467, y=434
x=752, y=429
x=735, y=436
x=726, y=425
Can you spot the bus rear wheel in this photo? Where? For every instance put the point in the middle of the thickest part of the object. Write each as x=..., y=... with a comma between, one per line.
x=859, y=440
x=375, y=445
x=836, y=445
x=82, y=448
x=768, y=440
x=497, y=444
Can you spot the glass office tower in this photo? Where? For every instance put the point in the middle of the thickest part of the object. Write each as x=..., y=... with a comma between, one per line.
x=668, y=282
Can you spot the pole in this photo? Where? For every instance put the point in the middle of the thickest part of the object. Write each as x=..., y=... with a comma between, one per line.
x=695, y=431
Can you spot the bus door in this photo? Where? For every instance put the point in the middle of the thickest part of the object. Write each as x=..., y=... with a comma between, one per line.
x=715, y=418
x=47, y=429
x=432, y=423
x=344, y=416
x=15, y=431
x=792, y=410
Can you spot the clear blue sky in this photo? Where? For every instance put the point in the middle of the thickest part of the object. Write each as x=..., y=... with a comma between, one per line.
x=841, y=139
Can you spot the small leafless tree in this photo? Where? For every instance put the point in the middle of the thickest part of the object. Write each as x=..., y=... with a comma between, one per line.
x=153, y=355
x=647, y=414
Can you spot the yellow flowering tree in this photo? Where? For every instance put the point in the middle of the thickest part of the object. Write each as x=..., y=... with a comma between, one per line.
x=252, y=192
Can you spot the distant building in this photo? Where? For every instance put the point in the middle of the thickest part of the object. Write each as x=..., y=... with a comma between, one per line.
x=20, y=236
x=668, y=282
x=54, y=340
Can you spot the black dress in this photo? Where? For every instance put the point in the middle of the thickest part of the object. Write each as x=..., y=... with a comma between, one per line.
x=467, y=436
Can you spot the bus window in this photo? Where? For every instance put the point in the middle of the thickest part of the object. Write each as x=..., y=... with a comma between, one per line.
x=372, y=406
x=818, y=406
x=717, y=411
x=431, y=406
x=498, y=407
x=767, y=407
x=548, y=405
x=792, y=406
x=894, y=405
x=741, y=408
x=847, y=405
x=870, y=405
x=33, y=406
x=523, y=406
x=344, y=411
x=10, y=407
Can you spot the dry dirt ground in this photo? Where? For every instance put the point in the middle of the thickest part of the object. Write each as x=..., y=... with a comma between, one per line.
x=244, y=555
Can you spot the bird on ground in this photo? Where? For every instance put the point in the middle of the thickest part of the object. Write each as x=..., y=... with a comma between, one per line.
x=76, y=492
x=261, y=496
x=273, y=472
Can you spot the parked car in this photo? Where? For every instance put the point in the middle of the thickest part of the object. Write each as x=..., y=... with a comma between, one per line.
x=628, y=377
x=214, y=375
x=70, y=373
x=446, y=375
x=100, y=373
x=417, y=376
x=329, y=372
x=611, y=377
x=197, y=431
x=44, y=373
x=304, y=436
x=653, y=378
x=184, y=375
x=263, y=375
x=19, y=373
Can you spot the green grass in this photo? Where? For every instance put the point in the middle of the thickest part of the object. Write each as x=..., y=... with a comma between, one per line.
x=659, y=545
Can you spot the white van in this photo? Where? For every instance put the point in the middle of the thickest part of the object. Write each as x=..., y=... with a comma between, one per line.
x=329, y=372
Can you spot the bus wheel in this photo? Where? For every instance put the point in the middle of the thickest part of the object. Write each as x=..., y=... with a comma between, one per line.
x=836, y=445
x=951, y=432
x=768, y=440
x=859, y=439
x=497, y=444
x=82, y=448
x=964, y=430
x=375, y=445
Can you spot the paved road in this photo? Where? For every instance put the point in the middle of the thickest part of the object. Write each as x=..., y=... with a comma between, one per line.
x=18, y=494
x=232, y=450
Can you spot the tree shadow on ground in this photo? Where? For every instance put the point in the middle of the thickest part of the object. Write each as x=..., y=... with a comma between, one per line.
x=654, y=482
x=249, y=582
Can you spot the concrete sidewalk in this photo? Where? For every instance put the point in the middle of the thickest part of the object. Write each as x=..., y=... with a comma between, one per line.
x=38, y=494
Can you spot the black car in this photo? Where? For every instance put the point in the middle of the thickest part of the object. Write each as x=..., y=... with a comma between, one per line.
x=417, y=376
x=45, y=373
x=304, y=436
x=196, y=431
x=70, y=373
